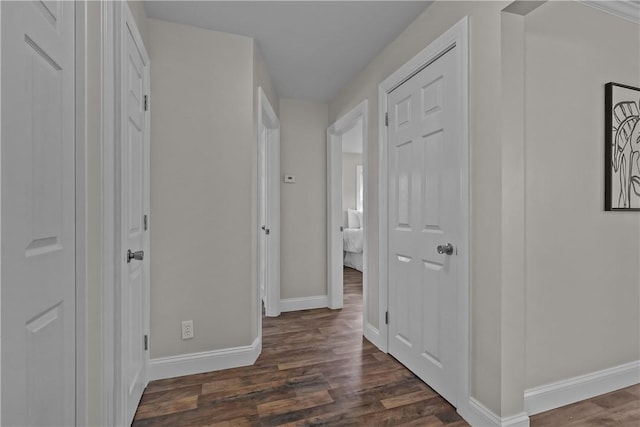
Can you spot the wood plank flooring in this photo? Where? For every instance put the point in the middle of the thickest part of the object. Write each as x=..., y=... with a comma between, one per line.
x=316, y=369
x=618, y=408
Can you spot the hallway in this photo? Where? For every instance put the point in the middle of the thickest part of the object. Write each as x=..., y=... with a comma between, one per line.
x=315, y=369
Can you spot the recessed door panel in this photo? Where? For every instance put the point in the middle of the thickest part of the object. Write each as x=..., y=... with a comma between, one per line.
x=45, y=366
x=432, y=182
x=403, y=266
x=135, y=348
x=44, y=92
x=431, y=316
x=404, y=156
x=403, y=113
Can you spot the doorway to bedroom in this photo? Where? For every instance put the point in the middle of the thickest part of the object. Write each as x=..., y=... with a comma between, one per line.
x=347, y=208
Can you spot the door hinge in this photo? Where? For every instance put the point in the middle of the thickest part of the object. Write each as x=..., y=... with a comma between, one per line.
x=146, y=103
x=146, y=342
x=145, y=223
x=386, y=119
x=386, y=317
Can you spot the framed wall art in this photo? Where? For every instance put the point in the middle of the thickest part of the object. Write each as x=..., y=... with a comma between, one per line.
x=622, y=147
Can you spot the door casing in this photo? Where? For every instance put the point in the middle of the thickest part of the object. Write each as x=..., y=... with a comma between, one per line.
x=456, y=36
x=116, y=16
x=335, y=284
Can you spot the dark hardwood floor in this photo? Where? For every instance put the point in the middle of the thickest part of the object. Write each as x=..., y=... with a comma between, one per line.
x=618, y=408
x=317, y=369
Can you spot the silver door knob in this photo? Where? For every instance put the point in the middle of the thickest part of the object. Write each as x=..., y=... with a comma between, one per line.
x=138, y=255
x=445, y=249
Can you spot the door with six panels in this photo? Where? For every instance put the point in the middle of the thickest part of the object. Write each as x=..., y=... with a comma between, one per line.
x=424, y=204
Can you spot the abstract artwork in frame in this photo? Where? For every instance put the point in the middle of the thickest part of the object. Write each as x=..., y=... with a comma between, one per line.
x=622, y=147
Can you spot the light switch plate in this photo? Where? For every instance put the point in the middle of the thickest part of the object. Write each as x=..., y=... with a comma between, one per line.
x=289, y=179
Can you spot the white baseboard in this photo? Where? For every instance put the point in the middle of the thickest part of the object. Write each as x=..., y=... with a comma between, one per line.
x=207, y=361
x=551, y=396
x=305, y=303
x=518, y=420
x=476, y=414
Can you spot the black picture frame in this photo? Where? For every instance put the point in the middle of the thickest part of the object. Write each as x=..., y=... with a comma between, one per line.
x=621, y=147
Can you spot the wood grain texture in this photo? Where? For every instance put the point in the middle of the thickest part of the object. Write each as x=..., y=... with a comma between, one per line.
x=317, y=369
x=618, y=408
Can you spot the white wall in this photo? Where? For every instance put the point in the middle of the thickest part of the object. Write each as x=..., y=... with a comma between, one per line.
x=303, y=208
x=582, y=279
x=202, y=182
x=349, y=162
x=485, y=143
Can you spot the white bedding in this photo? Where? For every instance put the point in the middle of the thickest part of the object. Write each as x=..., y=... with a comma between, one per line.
x=352, y=238
x=352, y=245
x=353, y=260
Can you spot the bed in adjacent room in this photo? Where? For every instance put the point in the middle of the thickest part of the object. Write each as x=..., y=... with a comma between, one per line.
x=352, y=240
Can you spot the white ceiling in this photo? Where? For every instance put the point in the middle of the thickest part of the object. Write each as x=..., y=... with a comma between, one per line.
x=312, y=48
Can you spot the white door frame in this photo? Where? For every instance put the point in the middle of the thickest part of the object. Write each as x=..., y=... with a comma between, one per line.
x=335, y=286
x=81, y=214
x=268, y=119
x=80, y=211
x=456, y=36
x=115, y=16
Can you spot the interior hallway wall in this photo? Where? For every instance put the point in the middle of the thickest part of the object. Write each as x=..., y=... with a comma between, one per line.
x=303, y=205
x=582, y=278
x=201, y=188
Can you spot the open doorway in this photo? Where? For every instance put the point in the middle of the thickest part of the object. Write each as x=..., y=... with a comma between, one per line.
x=352, y=197
x=346, y=204
x=268, y=208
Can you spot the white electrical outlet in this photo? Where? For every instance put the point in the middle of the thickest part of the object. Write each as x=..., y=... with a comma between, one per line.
x=187, y=329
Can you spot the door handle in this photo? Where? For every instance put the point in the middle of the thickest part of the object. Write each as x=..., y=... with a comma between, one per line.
x=445, y=249
x=138, y=255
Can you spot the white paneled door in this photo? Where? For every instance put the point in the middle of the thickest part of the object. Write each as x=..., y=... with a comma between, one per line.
x=424, y=208
x=38, y=213
x=134, y=202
